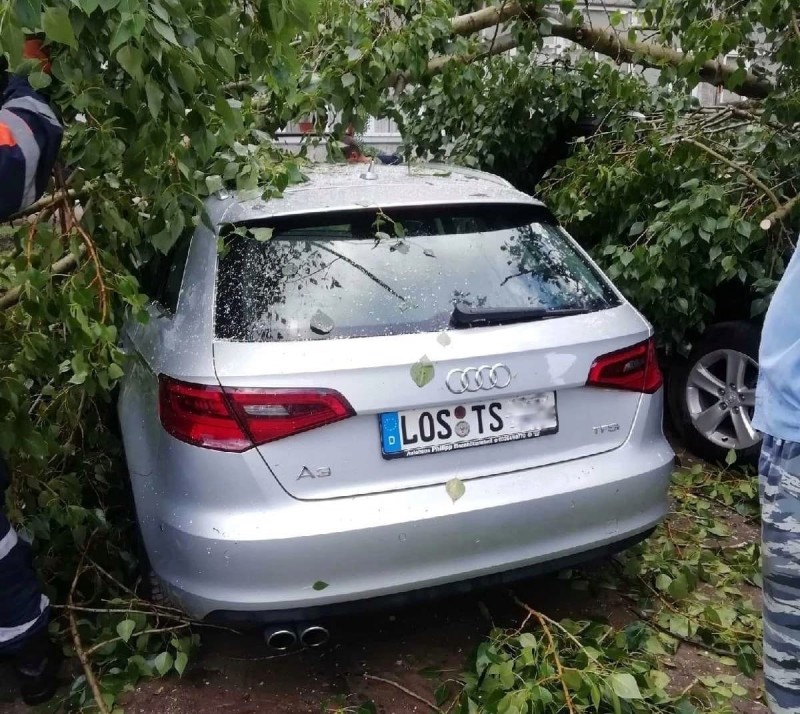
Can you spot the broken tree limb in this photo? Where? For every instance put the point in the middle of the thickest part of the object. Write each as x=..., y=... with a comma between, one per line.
x=605, y=41
x=65, y=265
x=48, y=201
x=654, y=55
x=757, y=182
x=485, y=18
x=784, y=210
x=499, y=46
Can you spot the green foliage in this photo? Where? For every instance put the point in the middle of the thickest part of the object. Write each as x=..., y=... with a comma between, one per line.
x=598, y=668
x=152, y=130
x=513, y=116
x=685, y=584
x=678, y=204
x=699, y=571
x=670, y=222
x=169, y=101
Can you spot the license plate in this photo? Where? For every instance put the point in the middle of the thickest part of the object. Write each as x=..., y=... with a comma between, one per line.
x=431, y=431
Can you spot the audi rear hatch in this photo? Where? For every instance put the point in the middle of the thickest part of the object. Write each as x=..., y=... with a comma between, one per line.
x=364, y=351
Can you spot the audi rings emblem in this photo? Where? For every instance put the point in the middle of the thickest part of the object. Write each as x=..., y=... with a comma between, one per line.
x=475, y=379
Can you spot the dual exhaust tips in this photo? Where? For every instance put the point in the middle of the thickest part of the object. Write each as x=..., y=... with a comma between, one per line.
x=282, y=639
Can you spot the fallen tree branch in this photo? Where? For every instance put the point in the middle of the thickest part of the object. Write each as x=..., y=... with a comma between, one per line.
x=405, y=690
x=152, y=631
x=783, y=211
x=557, y=625
x=559, y=669
x=50, y=201
x=73, y=223
x=607, y=42
x=485, y=18
x=757, y=182
x=487, y=49
x=699, y=644
x=65, y=265
x=76, y=638
x=653, y=55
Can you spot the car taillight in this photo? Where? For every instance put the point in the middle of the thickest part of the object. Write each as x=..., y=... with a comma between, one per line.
x=633, y=368
x=236, y=419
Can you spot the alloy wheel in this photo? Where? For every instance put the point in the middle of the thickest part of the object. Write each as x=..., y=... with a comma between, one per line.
x=720, y=398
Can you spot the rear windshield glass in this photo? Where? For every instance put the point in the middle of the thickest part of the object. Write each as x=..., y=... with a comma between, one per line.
x=366, y=273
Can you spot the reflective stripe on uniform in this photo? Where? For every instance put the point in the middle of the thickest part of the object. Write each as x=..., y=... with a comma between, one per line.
x=7, y=634
x=7, y=543
x=26, y=142
x=31, y=104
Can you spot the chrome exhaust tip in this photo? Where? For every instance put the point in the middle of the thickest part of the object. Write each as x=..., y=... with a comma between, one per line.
x=281, y=639
x=314, y=636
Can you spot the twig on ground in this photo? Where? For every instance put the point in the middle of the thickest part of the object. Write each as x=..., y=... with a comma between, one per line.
x=721, y=651
x=76, y=637
x=559, y=669
x=405, y=690
x=152, y=631
x=116, y=611
x=676, y=611
x=558, y=626
x=130, y=592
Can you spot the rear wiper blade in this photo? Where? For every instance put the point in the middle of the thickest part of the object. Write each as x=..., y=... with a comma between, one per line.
x=465, y=316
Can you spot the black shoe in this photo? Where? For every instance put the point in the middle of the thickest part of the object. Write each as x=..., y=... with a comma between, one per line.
x=37, y=665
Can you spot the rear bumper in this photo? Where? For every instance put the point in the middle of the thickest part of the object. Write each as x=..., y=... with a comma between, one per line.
x=245, y=618
x=265, y=563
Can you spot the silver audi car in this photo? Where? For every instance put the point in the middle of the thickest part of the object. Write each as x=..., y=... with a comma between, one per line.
x=387, y=383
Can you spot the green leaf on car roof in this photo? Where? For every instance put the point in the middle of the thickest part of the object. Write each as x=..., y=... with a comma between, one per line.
x=319, y=585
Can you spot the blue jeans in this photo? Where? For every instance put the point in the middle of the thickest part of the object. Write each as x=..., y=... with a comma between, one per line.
x=23, y=609
x=779, y=485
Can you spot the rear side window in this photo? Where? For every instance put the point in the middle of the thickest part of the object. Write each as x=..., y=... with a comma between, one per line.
x=367, y=273
x=162, y=277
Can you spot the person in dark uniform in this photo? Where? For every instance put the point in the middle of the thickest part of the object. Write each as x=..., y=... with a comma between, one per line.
x=30, y=136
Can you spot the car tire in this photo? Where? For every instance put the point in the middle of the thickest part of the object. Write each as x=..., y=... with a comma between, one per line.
x=712, y=393
x=150, y=587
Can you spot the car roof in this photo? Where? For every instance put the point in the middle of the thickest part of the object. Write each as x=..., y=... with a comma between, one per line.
x=333, y=187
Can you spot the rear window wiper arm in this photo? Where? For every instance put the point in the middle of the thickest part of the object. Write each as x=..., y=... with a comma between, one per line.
x=465, y=316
